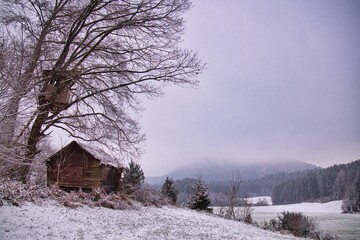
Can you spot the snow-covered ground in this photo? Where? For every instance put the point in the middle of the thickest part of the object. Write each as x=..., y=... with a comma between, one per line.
x=328, y=216
x=53, y=221
x=329, y=207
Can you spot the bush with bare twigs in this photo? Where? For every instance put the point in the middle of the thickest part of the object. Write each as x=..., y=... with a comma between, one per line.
x=16, y=192
x=242, y=214
x=297, y=224
x=149, y=195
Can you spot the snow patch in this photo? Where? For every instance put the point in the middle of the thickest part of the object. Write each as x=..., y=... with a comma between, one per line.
x=254, y=200
x=329, y=207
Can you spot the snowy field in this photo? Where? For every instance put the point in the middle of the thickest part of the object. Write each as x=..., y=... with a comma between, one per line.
x=329, y=207
x=52, y=221
x=328, y=215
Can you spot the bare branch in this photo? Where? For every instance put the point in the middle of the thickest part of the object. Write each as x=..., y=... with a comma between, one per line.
x=84, y=63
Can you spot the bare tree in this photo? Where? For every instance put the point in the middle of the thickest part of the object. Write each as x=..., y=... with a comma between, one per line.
x=11, y=61
x=232, y=196
x=84, y=64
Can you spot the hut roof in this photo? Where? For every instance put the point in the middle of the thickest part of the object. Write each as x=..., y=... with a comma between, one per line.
x=103, y=157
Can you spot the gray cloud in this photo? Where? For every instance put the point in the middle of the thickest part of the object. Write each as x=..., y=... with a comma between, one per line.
x=282, y=81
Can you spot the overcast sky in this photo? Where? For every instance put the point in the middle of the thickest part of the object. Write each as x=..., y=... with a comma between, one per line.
x=282, y=82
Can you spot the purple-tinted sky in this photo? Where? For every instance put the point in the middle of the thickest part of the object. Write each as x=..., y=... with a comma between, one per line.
x=282, y=81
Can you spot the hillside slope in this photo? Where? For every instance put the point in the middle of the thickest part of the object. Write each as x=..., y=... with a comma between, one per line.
x=223, y=171
x=51, y=221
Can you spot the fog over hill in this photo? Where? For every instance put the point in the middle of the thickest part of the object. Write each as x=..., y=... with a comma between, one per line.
x=212, y=170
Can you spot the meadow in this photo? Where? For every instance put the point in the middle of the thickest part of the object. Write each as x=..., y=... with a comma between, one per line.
x=328, y=216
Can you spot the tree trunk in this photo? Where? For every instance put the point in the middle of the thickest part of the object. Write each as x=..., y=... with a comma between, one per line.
x=31, y=148
x=8, y=123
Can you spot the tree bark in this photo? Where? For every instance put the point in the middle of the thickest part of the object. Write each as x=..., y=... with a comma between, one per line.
x=8, y=123
x=31, y=148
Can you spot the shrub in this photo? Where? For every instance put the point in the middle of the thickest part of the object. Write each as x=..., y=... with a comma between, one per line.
x=149, y=195
x=243, y=214
x=95, y=198
x=16, y=192
x=247, y=218
x=346, y=206
x=297, y=223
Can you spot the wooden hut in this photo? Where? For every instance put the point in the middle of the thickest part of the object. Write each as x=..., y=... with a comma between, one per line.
x=78, y=166
x=57, y=89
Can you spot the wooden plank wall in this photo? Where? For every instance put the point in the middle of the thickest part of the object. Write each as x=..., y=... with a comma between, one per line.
x=73, y=167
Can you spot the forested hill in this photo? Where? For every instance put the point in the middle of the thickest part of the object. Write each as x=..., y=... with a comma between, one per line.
x=219, y=171
x=219, y=190
x=319, y=184
x=332, y=183
x=256, y=179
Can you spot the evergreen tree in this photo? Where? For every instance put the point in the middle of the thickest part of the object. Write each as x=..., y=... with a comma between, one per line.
x=169, y=190
x=133, y=178
x=200, y=196
x=276, y=194
x=332, y=183
x=356, y=194
x=339, y=185
x=313, y=186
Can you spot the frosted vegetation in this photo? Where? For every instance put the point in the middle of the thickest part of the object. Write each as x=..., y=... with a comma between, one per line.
x=95, y=215
x=328, y=216
x=53, y=221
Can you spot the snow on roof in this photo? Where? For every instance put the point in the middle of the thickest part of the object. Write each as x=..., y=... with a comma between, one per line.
x=101, y=155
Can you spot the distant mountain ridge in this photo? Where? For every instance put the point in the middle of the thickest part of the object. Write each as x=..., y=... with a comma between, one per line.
x=222, y=171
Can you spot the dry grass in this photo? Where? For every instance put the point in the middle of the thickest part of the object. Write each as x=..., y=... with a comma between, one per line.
x=17, y=193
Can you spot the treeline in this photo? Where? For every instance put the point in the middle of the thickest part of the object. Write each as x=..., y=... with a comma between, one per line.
x=333, y=183
x=317, y=185
x=219, y=190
